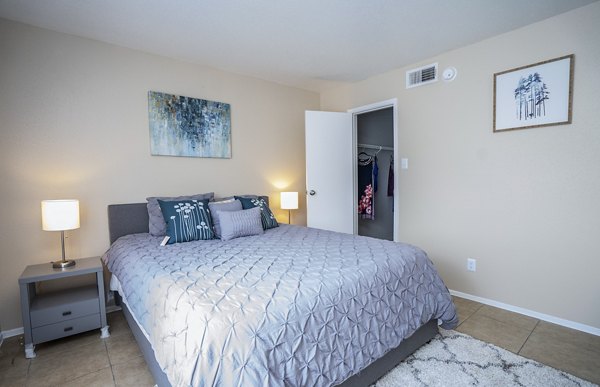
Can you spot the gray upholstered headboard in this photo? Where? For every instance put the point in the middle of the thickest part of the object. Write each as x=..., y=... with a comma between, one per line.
x=125, y=219
x=132, y=218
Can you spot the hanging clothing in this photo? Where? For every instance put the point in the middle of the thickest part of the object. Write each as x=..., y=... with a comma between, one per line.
x=367, y=180
x=390, y=187
x=375, y=173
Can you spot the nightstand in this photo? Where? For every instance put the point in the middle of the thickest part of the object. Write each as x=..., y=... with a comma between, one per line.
x=62, y=313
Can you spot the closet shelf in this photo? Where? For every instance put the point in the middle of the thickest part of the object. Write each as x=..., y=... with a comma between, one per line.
x=378, y=147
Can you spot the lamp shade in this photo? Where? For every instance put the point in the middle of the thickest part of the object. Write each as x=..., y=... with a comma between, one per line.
x=60, y=215
x=289, y=200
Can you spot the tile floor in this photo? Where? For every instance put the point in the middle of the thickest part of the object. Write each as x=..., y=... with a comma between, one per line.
x=86, y=360
x=80, y=360
x=575, y=352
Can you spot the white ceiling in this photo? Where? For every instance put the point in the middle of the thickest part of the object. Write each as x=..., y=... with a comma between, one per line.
x=310, y=44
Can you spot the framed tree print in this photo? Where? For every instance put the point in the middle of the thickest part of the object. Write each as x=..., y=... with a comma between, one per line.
x=533, y=96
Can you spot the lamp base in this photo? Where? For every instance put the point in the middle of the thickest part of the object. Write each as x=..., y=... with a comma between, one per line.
x=63, y=264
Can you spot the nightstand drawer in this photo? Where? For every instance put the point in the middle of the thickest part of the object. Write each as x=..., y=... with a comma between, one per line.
x=64, y=305
x=65, y=328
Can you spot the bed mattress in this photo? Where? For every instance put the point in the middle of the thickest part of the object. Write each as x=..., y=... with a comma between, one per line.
x=293, y=307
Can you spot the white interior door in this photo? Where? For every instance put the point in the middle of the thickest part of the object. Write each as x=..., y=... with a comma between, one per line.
x=329, y=171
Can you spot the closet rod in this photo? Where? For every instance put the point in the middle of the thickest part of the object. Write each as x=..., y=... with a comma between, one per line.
x=378, y=147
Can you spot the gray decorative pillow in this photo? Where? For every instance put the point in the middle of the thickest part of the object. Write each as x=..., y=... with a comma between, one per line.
x=156, y=222
x=268, y=219
x=224, y=206
x=249, y=196
x=235, y=224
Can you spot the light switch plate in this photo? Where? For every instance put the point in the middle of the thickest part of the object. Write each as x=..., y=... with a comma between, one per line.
x=404, y=163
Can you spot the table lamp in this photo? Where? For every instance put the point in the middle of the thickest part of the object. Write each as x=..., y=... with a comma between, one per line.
x=289, y=201
x=60, y=215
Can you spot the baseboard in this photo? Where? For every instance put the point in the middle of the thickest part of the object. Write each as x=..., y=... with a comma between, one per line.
x=12, y=332
x=531, y=313
x=112, y=308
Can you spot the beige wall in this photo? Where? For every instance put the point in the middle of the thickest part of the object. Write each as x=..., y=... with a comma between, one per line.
x=73, y=116
x=73, y=119
x=525, y=204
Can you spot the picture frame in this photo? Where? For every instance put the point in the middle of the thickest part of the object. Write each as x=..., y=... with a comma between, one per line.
x=534, y=96
x=188, y=127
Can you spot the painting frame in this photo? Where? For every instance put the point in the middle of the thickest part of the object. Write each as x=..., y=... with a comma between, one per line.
x=524, y=95
x=188, y=127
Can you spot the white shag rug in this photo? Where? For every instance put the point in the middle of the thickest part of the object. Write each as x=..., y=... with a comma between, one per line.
x=454, y=359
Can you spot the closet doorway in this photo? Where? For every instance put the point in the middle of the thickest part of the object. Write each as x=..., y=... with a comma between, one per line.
x=331, y=140
x=376, y=196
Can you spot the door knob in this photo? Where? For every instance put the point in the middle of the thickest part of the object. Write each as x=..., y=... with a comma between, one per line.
x=312, y=192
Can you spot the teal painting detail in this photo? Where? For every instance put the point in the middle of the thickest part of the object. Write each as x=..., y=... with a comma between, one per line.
x=184, y=126
x=187, y=220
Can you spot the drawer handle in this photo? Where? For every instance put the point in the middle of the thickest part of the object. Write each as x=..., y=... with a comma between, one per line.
x=67, y=313
x=67, y=329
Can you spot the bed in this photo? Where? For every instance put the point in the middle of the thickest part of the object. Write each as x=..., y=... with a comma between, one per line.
x=294, y=306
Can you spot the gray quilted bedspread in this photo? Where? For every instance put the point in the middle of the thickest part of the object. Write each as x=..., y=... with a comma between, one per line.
x=293, y=307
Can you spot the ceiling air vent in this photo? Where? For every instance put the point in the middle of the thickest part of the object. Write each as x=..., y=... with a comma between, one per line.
x=422, y=75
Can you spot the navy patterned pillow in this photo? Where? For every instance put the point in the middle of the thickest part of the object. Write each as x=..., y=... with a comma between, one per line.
x=156, y=222
x=266, y=216
x=187, y=220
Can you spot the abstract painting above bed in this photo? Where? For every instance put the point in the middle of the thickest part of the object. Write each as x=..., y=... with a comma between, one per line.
x=185, y=126
x=294, y=306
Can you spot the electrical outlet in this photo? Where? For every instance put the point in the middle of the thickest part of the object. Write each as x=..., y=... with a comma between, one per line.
x=471, y=264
